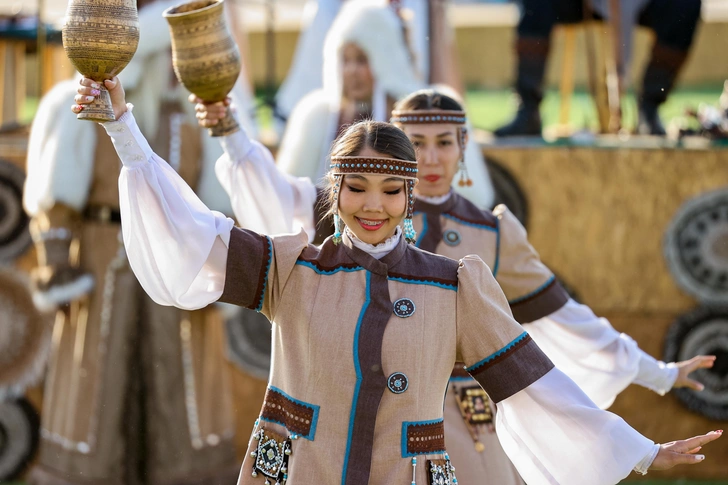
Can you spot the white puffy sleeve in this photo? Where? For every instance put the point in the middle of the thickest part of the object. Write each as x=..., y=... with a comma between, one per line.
x=176, y=246
x=548, y=427
x=600, y=447
x=263, y=198
x=602, y=361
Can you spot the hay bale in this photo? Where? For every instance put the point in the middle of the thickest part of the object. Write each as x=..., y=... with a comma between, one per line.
x=598, y=216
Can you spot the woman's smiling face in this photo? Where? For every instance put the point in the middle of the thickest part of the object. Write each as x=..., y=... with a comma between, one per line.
x=372, y=206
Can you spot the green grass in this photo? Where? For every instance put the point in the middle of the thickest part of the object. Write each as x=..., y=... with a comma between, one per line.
x=30, y=107
x=489, y=109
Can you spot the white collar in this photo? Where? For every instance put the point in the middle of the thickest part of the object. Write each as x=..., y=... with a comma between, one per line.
x=440, y=199
x=376, y=251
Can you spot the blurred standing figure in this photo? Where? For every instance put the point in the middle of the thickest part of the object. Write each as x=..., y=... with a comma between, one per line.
x=428, y=33
x=136, y=393
x=367, y=66
x=673, y=21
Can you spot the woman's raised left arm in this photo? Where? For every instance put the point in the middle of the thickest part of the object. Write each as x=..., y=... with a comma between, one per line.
x=176, y=246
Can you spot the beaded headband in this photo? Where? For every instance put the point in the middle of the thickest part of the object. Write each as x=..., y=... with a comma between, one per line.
x=443, y=116
x=406, y=169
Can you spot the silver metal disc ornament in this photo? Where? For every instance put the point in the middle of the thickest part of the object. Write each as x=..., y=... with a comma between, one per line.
x=14, y=234
x=451, y=237
x=696, y=247
x=703, y=331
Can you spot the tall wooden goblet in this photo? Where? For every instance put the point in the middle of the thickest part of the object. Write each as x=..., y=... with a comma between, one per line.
x=204, y=54
x=100, y=37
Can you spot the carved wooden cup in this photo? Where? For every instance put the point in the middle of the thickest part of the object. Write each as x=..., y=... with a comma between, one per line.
x=205, y=56
x=100, y=37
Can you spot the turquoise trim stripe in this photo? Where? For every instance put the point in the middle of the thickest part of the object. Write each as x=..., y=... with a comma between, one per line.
x=424, y=228
x=461, y=379
x=497, y=247
x=423, y=282
x=407, y=424
x=359, y=376
x=471, y=224
x=500, y=352
x=534, y=292
x=314, y=420
x=267, y=270
x=328, y=272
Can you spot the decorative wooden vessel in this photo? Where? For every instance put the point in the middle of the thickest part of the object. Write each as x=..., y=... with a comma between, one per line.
x=205, y=57
x=100, y=37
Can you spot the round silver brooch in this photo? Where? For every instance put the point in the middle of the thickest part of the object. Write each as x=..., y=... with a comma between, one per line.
x=451, y=237
x=404, y=307
x=397, y=383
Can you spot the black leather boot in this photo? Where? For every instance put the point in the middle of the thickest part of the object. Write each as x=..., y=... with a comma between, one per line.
x=657, y=83
x=531, y=53
x=648, y=122
x=527, y=122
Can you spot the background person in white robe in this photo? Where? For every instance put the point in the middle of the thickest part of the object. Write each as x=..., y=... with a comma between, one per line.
x=178, y=249
x=305, y=73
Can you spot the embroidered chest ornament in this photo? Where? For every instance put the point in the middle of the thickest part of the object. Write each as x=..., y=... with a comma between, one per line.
x=442, y=117
x=397, y=383
x=451, y=237
x=404, y=307
x=405, y=169
x=271, y=456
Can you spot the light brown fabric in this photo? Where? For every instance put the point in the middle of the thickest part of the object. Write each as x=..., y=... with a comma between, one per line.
x=54, y=252
x=336, y=341
x=500, y=240
x=528, y=284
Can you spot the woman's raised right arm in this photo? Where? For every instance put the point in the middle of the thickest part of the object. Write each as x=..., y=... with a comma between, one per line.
x=176, y=246
x=263, y=198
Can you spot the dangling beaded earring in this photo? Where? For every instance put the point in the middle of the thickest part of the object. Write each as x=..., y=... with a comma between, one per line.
x=465, y=179
x=337, y=229
x=409, y=231
x=338, y=223
x=410, y=235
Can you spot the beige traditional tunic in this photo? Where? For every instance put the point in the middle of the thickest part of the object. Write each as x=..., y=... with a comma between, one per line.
x=341, y=343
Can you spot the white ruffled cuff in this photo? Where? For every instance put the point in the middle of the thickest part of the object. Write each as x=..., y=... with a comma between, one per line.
x=646, y=462
x=656, y=375
x=131, y=146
